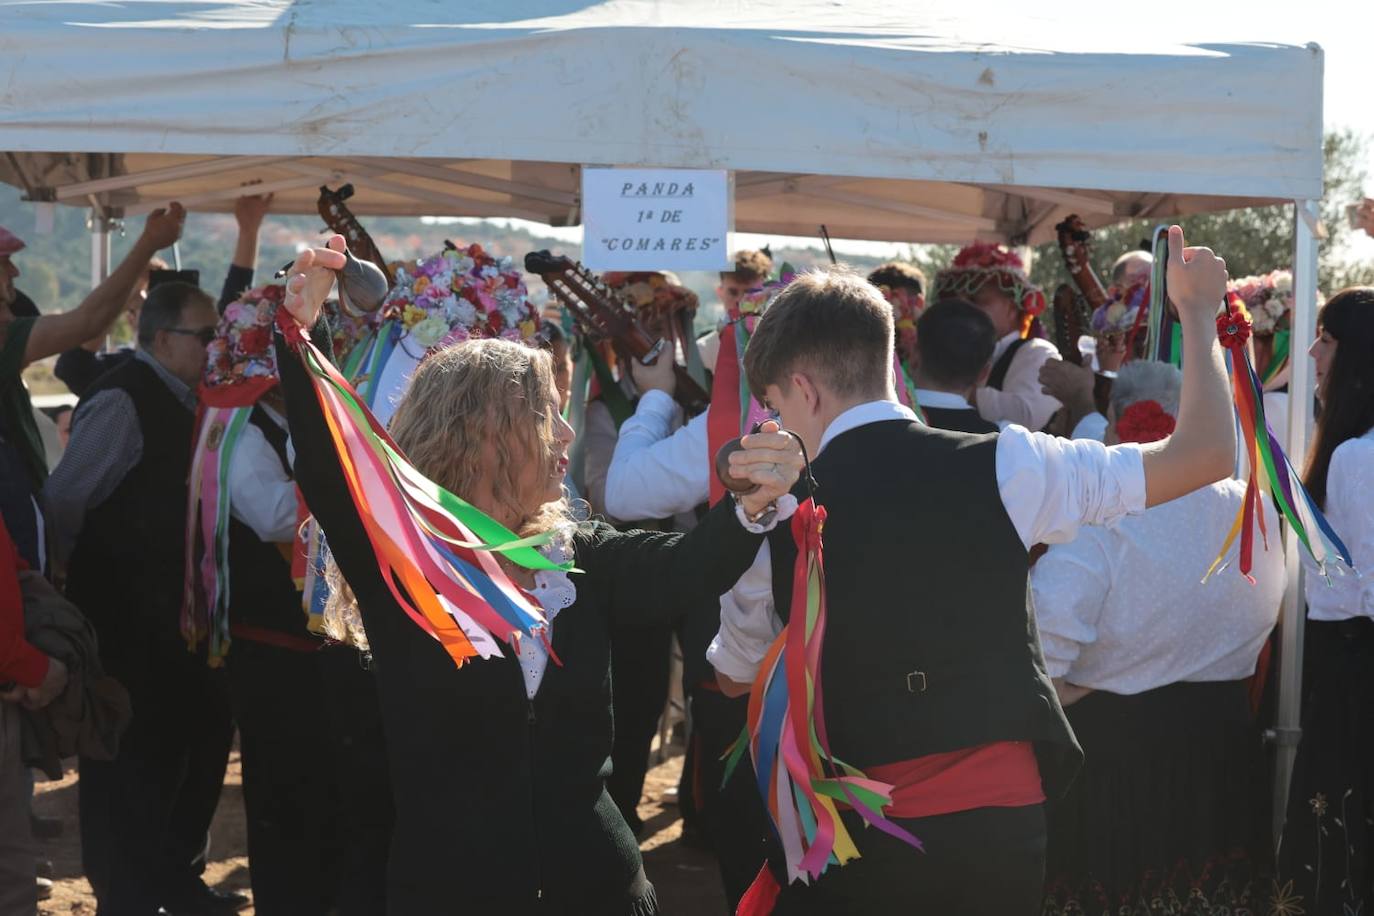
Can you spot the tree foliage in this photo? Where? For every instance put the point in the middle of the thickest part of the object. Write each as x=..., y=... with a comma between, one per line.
x=1253, y=241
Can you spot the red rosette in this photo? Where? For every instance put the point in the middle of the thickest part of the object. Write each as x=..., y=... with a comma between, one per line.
x=1233, y=328
x=1144, y=421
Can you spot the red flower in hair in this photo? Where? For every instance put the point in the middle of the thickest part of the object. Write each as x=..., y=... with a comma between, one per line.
x=1144, y=421
x=1233, y=325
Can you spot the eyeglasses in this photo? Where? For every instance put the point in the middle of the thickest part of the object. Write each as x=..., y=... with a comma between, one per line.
x=204, y=335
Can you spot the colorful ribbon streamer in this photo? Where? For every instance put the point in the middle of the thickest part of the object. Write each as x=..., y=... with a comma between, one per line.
x=801, y=781
x=205, y=590
x=1270, y=471
x=434, y=550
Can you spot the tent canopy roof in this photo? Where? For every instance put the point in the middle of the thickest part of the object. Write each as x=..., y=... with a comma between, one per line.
x=870, y=117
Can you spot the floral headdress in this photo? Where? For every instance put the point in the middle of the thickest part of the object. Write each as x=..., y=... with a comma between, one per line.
x=458, y=294
x=240, y=365
x=981, y=263
x=652, y=291
x=1268, y=298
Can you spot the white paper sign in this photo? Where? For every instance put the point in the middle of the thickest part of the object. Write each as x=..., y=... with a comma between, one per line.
x=656, y=219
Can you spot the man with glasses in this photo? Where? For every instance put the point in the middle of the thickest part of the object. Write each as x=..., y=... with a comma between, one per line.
x=117, y=505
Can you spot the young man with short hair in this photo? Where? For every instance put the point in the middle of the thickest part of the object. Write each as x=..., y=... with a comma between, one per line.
x=751, y=269
x=934, y=678
x=903, y=285
x=954, y=345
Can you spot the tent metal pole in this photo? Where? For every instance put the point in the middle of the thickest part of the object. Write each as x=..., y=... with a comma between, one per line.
x=1287, y=727
x=100, y=247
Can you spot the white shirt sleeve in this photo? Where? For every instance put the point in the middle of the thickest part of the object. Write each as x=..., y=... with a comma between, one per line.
x=1069, y=587
x=748, y=625
x=1021, y=401
x=1349, y=483
x=653, y=474
x=1093, y=426
x=1051, y=486
x=261, y=495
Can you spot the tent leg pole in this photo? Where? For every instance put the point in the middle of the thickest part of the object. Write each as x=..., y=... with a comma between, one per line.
x=100, y=255
x=100, y=247
x=1287, y=728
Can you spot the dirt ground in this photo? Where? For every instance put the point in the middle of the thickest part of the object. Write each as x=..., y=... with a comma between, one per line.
x=687, y=881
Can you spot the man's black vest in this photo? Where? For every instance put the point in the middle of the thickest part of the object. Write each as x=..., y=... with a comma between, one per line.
x=958, y=419
x=998, y=376
x=127, y=569
x=930, y=644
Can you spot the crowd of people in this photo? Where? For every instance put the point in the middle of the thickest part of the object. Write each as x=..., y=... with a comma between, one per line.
x=1020, y=643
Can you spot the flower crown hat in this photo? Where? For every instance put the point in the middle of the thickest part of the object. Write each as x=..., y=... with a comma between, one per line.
x=981, y=263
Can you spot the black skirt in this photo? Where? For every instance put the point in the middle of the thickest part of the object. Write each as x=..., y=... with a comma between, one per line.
x=1326, y=862
x=1169, y=814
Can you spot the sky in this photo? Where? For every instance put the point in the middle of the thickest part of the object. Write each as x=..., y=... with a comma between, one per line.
x=1344, y=29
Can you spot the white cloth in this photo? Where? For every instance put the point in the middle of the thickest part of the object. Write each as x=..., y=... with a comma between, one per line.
x=656, y=472
x=1049, y=487
x=1123, y=608
x=1093, y=426
x=261, y=494
x=942, y=400
x=708, y=345
x=555, y=591
x=1350, y=510
x=1021, y=400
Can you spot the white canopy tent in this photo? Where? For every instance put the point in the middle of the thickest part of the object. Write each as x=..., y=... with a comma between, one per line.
x=876, y=119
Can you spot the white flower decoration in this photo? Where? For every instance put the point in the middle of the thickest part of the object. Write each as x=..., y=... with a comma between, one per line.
x=429, y=332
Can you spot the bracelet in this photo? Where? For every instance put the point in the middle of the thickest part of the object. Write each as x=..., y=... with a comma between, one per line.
x=763, y=517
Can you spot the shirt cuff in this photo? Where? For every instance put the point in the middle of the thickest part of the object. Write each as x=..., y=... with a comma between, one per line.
x=730, y=663
x=787, y=507
x=1128, y=466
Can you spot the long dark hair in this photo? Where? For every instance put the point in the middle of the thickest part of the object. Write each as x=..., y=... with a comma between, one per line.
x=1348, y=407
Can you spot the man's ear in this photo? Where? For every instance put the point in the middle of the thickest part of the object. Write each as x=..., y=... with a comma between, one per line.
x=809, y=391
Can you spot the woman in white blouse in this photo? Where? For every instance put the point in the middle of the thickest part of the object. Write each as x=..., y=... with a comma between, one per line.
x=1326, y=847
x=1152, y=666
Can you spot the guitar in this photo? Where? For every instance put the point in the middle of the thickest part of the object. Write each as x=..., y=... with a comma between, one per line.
x=1075, y=243
x=600, y=314
x=1068, y=323
x=340, y=219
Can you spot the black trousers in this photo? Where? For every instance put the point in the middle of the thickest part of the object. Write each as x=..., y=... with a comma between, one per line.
x=290, y=787
x=366, y=813
x=1327, y=851
x=145, y=816
x=731, y=815
x=985, y=862
x=640, y=662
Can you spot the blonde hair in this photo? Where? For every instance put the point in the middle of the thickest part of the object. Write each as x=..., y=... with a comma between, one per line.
x=475, y=412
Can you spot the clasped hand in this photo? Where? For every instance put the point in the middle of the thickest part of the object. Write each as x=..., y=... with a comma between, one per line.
x=771, y=459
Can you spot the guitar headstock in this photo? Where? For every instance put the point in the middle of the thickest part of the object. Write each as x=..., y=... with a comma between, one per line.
x=1075, y=241
x=599, y=312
